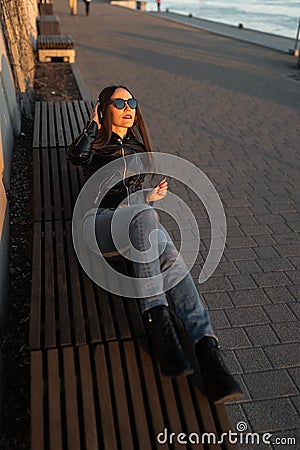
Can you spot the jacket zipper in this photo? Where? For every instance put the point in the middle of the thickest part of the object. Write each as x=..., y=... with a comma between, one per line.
x=100, y=189
x=124, y=173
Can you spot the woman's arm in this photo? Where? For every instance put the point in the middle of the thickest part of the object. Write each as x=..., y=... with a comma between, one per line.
x=80, y=151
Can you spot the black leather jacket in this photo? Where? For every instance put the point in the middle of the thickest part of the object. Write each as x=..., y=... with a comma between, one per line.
x=81, y=152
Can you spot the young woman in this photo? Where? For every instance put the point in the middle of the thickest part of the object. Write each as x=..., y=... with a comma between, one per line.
x=117, y=129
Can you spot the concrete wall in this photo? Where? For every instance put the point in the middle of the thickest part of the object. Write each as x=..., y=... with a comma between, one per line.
x=10, y=123
x=10, y=102
x=32, y=13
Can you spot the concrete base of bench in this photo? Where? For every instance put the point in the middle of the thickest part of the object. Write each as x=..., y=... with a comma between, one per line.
x=46, y=55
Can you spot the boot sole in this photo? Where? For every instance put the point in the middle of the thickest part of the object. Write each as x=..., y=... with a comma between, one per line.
x=228, y=398
x=185, y=373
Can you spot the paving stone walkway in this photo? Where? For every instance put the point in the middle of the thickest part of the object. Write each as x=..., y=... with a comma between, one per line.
x=231, y=108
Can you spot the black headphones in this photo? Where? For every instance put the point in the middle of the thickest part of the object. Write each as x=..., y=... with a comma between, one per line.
x=100, y=115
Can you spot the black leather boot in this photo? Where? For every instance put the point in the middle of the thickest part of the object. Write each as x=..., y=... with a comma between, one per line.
x=166, y=344
x=220, y=386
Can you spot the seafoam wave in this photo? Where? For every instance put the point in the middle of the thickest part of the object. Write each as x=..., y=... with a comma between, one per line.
x=270, y=16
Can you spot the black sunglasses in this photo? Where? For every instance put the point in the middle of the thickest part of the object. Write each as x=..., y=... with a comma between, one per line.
x=119, y=103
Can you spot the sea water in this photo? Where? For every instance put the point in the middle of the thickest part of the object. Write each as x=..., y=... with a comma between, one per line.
x=279, y=17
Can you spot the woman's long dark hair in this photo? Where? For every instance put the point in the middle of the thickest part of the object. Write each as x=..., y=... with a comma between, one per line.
x=139, y=129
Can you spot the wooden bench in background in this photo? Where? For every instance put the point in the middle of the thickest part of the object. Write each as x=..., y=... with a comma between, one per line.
x=48, y=24
x=94, y=381
x=45, y=8
x=51, y=44
x=58, y=46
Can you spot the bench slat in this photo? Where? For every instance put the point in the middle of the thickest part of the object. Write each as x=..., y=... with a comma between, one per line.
x=75, y=183
x=45, y=176
x=71, y=404
x=123, y=420
x=76, y=175
x=153, y=397
x=203, y=409
x=78, y=317
x=73, y=123
x=52, y=127
x=120, y=313
x=67, y=199
x=203, y=406
x=57, y=206
x=44, y=125
x=171, y=408
x=89, y=418
x=36, y=125
x=63, y=306
x=134, y=317
x=78, y=113
x=106, y=314
x=37, y=404
x=59, y=125
x=36, y=290
x=131, y=305
x=49, y=308
x=50, y=40
x=108, y=431
x=224, y=424
x=66, y=124
x=84, y=110
x=90, y=105
x=191, y=423
x=55, y=425
x=92, y=312
x=142, y=431
x=68, y=176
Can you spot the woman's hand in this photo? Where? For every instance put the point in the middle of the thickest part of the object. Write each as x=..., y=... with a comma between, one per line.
x=94, y=115
x=159, y=192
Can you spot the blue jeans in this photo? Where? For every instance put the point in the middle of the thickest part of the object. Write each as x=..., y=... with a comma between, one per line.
x=183, y=298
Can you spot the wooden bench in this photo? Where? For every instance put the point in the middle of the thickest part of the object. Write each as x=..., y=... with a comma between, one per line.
x=51, y=44
x=48, y=24
x=56, y=46
x=94, y=381
x=45, y=8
